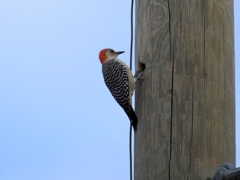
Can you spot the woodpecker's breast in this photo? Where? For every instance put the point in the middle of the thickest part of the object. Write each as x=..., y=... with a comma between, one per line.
x=116, y=78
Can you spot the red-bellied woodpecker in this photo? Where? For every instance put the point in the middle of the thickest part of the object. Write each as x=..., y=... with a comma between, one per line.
x=119, y=80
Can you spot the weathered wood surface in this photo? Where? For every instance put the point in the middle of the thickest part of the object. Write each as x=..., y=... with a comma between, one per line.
x=186, y=102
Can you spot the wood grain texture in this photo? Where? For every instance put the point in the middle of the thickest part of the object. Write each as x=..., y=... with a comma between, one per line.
x=186, y=102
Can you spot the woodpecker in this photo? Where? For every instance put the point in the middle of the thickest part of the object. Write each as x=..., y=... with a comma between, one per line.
x=119, y=80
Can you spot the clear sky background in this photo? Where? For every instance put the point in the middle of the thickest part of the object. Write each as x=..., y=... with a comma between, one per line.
x=58, y=121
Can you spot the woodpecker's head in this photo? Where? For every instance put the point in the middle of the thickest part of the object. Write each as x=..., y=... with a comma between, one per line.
x=107, y=54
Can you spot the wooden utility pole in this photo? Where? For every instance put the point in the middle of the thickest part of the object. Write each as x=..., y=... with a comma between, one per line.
x=186, y=102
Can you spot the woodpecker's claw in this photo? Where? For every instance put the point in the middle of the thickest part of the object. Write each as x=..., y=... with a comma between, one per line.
x=138, y=76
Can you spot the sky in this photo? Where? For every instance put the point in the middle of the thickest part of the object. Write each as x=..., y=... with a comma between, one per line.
x=58, y=121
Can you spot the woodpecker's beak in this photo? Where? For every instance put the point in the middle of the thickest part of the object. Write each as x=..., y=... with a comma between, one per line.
x=120, y=52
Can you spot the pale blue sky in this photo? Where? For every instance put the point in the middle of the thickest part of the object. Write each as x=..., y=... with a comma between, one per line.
x=58, y=121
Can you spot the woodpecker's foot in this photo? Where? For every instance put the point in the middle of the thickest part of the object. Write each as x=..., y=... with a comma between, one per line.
x=138, y=76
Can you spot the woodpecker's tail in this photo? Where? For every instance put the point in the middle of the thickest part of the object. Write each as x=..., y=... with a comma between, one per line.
x=133, y=118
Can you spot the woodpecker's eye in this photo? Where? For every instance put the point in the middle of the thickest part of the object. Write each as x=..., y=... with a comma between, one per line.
x=112, y=51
